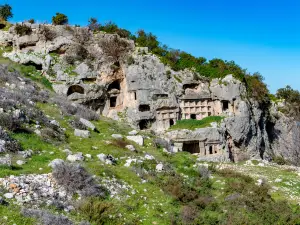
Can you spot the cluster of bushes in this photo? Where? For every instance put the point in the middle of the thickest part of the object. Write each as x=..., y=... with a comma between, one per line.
x=110, y=28
x=79, y=111
x=292, y=99
x=75, y=179
x=22, y=29
x=194, y=124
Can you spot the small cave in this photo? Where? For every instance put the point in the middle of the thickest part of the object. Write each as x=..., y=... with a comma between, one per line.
x=27, y=45
x=171, y=122
x=114, y=85
x=113, y=102
x=193, y=116
x=210, y=150
x=225, y=105
x=190, y=86
x=191, y=147
x=36, y=66
x=144, y=108
x=144, y=124
x=75, y=89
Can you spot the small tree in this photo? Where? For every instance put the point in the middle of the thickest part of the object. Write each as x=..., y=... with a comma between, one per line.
x=93, y=24
x=59, y=19
x=6, y=12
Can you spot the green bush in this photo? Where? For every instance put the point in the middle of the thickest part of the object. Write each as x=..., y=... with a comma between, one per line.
x=194, y=124
x=60, y=19
x=6, y=12
x=22, y=29
x=97, y=211
x=32, y=21
x=279, y=160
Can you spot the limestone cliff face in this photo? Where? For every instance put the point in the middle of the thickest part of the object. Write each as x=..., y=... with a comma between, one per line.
x=119, y=80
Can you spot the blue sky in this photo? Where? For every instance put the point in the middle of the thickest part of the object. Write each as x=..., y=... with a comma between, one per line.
x=260, y=35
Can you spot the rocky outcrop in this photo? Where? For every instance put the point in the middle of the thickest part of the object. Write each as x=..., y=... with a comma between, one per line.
x=127, y=83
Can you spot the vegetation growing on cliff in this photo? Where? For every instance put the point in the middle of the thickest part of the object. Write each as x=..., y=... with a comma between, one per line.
x=194, y=124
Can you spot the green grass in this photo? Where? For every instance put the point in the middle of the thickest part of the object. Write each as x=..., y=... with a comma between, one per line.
x=194, y=124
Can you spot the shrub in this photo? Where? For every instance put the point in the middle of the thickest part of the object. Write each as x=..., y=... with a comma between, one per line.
x=48, y=33
x=6, y=12
x=46, y=217
x=80, y=111
x=279, y=160
x=32, y=21
x=188, y=214
x=120, y=143
x=130, y=60
x=50, y=135
x=194, y=124
x=97, y=211
x=93, y=24
x=22, y=29
x=75, y=178
x=59, y=19
x=292, y=98
x=9, y=122
x=115, y=47
x=11, y=145
x=168, y=73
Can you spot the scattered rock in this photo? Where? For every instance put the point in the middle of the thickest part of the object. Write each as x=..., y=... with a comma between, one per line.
x=137, y=139
x=82, y=133
x=278, y=180
x=75, y=157
x=117, y=136
x=87, y=123
x=130, y=147
x=54, y=122
x=9, y=195
x=107, y=159
x=159, y=167
x=149, y=157
x=67, y=151
x=20, y=162
x=55, y=163
x=133, y=133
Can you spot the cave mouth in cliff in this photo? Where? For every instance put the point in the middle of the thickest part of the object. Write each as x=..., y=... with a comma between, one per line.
x=144, y=124
x=113, y=102
x=225, y=105
x=211, y=150
x=171, y=122
x=193, y=116
x=191, y=147
x=144, y=108
x=75, y=89
x=36, y=66
x=114, y=85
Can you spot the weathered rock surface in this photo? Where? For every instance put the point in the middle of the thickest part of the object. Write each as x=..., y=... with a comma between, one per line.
x=150, y=95
x=82, y=133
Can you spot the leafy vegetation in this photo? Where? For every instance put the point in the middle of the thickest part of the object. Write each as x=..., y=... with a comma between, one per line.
x=60, y=19
x=194, y=124
x=292, y=99
x=6, y=12
x=22, y=29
